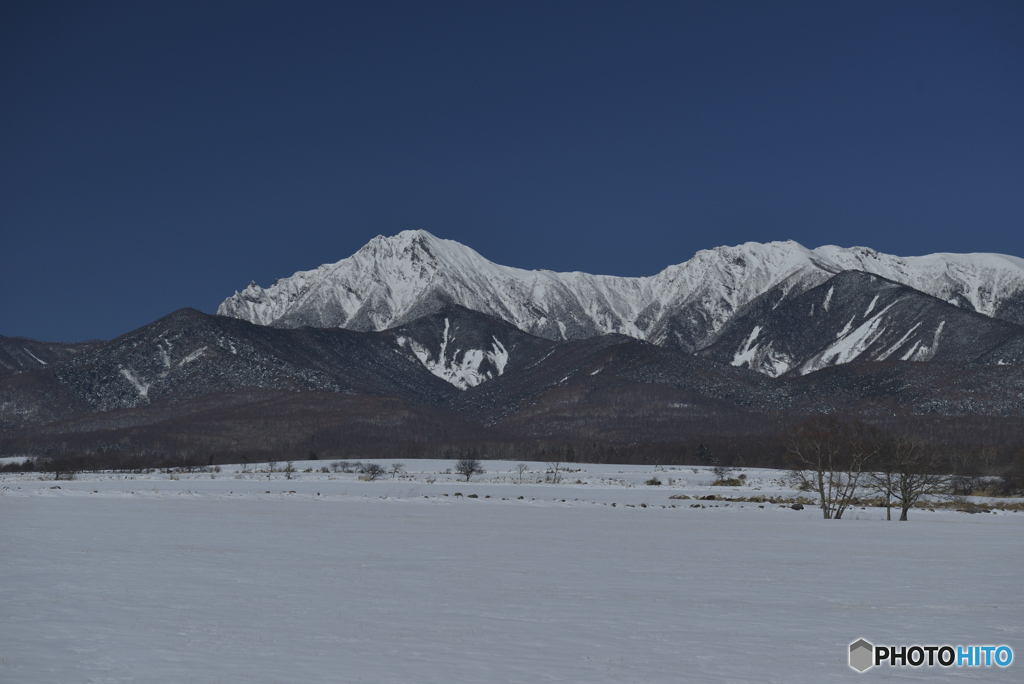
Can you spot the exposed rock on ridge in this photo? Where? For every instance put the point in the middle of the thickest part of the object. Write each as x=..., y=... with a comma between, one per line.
x=395, y=280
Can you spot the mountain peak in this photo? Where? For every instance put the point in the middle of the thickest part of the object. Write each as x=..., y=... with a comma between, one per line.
x=403, y=241
x=395, y=279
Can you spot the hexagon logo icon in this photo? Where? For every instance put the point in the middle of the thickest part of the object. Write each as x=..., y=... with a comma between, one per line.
x=861, y=655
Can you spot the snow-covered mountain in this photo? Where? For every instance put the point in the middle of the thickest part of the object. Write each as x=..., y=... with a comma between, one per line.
x=860, y=316
x=466, y=348
x=396, y=280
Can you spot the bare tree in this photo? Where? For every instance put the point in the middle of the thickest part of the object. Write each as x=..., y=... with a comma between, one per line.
x=395, y=469
x=903, y=471
x=828, y=457
x=62, y=467
x=918, y=473
x=988, y=456
x=468, y=467
x=722, y=473
x=917, y=481
x=373, y=471
x=962, y=481
x=884, y=466
x=553, y=468
x=521, y=468
x=289, y=468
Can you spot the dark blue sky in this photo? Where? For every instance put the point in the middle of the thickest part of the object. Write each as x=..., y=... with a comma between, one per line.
x=161, y=155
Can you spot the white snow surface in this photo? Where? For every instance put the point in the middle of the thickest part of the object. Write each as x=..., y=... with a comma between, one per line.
x=41, y=362
x=140, y=385
x=764, y=359
x=849, y=343
x=386, y=282
x=249, y=577
x=871, y=306
x=899, y=343
x=461, y=367
x=748, y=350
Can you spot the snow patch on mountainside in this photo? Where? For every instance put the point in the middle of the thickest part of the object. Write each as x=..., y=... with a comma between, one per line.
x=923, y=352
x=899, y=343
x=745, y=354
x=141, y=387
x=850, y=344
x=192, y=357
x=462, y=368
x=498, y=356
x=35, y=357
x=871, y=306
x=766, y=359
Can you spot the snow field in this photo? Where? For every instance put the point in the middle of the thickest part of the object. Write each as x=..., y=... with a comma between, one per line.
x=213, y=580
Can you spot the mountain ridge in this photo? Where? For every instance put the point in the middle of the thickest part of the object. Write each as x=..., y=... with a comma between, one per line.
x=395, y=280
x=196, y=386
x=862, y=316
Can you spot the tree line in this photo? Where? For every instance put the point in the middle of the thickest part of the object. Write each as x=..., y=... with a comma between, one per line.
x=837, y=459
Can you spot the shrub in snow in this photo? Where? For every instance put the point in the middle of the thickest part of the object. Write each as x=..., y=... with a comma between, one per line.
x=372, y=471
x=468, y=467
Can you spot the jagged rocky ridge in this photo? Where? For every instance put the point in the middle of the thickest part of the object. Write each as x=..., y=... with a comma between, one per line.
x=394, y=280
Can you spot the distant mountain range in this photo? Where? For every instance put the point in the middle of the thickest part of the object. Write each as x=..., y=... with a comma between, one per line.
x=753, y=305
x=424, y=341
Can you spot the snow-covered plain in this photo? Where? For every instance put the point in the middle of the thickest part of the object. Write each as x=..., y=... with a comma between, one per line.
x=255, y=578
